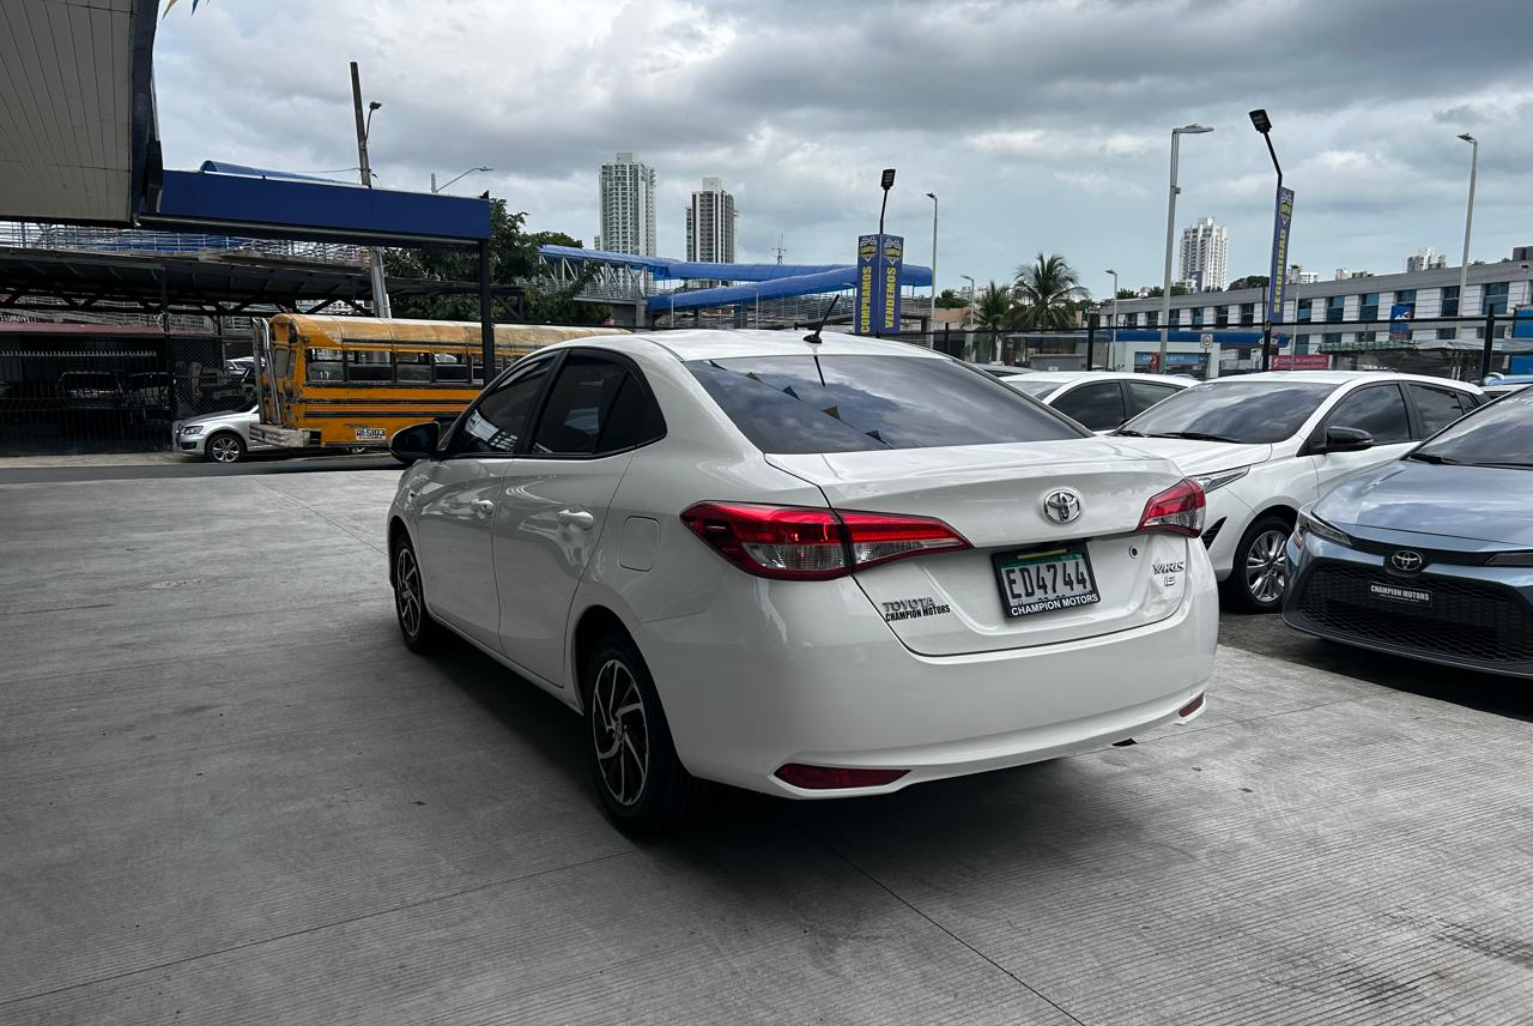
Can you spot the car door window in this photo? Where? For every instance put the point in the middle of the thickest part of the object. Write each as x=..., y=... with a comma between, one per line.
x=596, y=405
x=497, y=422
x=1438, y=407
x=1143, y=394
x=1099, y=405
x=1378, y=410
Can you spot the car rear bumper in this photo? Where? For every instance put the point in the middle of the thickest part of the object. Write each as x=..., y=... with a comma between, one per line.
x=821, y=680
x=1481, y=618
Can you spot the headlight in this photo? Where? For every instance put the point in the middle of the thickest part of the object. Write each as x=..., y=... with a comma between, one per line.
x=1210, y=482
x=188, y=430
x=1313, y=525
x=1511, y=559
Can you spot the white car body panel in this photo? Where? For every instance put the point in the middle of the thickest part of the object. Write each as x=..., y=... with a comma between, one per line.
x=754, y=672
x=195, y=444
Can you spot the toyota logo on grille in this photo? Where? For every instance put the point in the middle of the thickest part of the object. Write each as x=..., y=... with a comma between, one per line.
x=1407, y=561
x=1062, y=505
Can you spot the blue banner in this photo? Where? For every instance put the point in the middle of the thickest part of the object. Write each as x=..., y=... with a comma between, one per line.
x=880, y=259
x=1277, y=283
x=1400, y=321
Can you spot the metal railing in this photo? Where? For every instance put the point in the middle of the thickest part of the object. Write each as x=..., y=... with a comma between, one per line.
x=32, y=235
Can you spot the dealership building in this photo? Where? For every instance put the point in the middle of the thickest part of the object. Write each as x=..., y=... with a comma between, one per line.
x=1344, y=318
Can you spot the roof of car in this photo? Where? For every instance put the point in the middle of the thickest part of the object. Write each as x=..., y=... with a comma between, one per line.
x=1061, y=377
x=1342, y=377
x=712, y=344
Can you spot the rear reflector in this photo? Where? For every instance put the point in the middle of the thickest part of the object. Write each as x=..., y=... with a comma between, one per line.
x=798, y=543
x=1191, y=707
x=828, y=778
x=1179, y=509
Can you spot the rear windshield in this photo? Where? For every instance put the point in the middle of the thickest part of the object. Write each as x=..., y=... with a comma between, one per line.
x=1500, y=434
x=1233, y=411
x=787, y=404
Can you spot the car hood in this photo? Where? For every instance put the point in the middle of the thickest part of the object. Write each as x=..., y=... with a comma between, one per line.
x=221, y=418
x=1195, y=457
x=1490, y=504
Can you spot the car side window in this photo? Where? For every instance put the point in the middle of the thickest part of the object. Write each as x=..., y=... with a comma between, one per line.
x=1098, y=406
x=498, y=420
x=596, y=406
x=1144, y=394
x=1438, y=407
x=1378, y=410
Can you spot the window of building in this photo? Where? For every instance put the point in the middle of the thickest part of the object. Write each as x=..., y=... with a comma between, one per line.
x=1494, y=301
x=1221, y=317
x=1331, y=338
x=1152, y=319
x=1447, y=334
x=1335, y=307
x=1176, y=319
x=1305, y=310
x=1368, y=310
x=1247, y=314
x=1449, y=307
x=1405, y=297
x=1197, y=317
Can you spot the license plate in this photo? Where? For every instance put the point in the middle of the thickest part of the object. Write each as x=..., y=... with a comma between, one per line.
x=1404, y=596
x=1045, y=580
x=370, y=434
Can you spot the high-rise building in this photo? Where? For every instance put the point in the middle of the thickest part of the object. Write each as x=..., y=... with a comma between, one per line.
x=1427, y=259
x=1205, y=254
x=628, y=206
x=1297, y=275
x=711, y=224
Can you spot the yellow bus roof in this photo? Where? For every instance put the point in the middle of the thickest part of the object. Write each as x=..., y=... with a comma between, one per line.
x=373, y=329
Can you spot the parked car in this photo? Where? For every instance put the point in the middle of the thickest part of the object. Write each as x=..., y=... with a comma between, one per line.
x=149, y=394
x=91, y=390
x=218, y=437
x=1431, y=555
x=1498, y=385
x=1101, y=400
x=812, y=570
x=1003, y=370
x=1263, y=445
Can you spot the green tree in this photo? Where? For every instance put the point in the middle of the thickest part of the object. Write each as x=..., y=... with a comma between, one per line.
x=513, y=261
x=949, y=299
x=993, y=308
x=1046, y=293
x=1250, y=281
x=1127, y=294
x=1176, y=290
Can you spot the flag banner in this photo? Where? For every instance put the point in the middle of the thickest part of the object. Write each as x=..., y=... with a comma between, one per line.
x=1282, y=222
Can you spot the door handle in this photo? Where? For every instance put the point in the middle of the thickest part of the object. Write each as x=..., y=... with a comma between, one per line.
x=482, y=507
x=576, y=518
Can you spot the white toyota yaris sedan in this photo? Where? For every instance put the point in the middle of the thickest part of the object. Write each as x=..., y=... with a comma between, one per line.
x=810, y=568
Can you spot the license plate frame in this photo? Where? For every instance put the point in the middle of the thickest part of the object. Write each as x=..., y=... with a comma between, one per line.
x=1044, y=555
x=1404, y=596
x=371, y=434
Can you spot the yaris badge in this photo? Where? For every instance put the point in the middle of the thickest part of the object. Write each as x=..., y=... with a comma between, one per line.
x=1062, y=506
x=1407, y=561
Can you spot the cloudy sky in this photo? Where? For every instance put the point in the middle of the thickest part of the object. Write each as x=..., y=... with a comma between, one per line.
x=1041, y=125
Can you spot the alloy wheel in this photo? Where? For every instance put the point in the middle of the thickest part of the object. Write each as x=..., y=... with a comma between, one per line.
x=620, y=731
x=224, y=449
x=407, y=591
x=1267, y=566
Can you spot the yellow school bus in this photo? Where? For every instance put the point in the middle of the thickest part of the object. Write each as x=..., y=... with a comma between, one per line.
x=352, y=382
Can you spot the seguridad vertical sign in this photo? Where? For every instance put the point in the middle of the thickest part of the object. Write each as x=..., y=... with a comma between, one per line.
x=880, y=260
x=1282, y=223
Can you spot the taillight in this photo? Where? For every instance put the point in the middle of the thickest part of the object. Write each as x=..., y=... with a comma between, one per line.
x=798, y=543
x=833, y=778
x=1179, y=509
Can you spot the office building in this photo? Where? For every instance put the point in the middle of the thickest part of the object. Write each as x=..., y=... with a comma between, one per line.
x=628, y=206
x=711, y=224
x=1297, y=275
x=1427, y=259
x=1205, y=255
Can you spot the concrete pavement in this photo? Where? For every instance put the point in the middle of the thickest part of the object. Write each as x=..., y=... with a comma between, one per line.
x=231, y=796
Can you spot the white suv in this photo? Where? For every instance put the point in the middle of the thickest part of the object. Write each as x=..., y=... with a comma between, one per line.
x=1262, y=445
x=810, y=568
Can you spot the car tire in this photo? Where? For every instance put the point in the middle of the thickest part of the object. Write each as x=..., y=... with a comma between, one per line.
x=644, y=788
x=224, y=447
x=1260, y=574
x=421, y=633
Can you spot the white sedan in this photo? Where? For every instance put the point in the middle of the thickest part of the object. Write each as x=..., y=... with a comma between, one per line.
x=809, y=568
x=222, y=437
x=1101, y=400
x=1263, y=445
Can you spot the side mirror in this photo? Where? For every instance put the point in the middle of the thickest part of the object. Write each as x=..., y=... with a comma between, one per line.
x=1345, y=439
x=417, y=442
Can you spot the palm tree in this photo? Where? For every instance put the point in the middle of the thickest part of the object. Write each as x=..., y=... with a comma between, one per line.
x=1045, y=292
x=993, y=313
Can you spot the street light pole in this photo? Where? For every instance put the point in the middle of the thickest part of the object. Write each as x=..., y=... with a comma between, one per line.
x=381, y=306
x=435, y=190
x=1263, y=124
x=1112, y=346
x=1463, y=271
x=931, y=322
x=1165, y=294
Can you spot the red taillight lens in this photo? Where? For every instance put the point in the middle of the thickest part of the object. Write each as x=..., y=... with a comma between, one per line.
x=1191, y=707
x=801, y=544
x=829, y=778
x=1178, y=509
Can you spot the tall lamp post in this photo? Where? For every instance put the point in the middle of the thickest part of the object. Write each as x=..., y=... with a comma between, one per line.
x=931, y=323
x=1112, y=347
x=1165, y=294
x=1263, y=124
x=472, y=170
x=1463, y=271
x=381, y=307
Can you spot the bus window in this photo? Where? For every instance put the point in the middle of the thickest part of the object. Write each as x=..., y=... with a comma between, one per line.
x=451, y=367
x=412, y=367
x=325, y=365
x=368, y=365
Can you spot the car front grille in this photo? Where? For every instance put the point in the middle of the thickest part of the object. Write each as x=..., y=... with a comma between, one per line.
x=1481, y=622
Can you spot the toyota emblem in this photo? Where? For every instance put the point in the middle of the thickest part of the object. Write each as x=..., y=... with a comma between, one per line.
x=1062, y=506
x=1407, y=561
